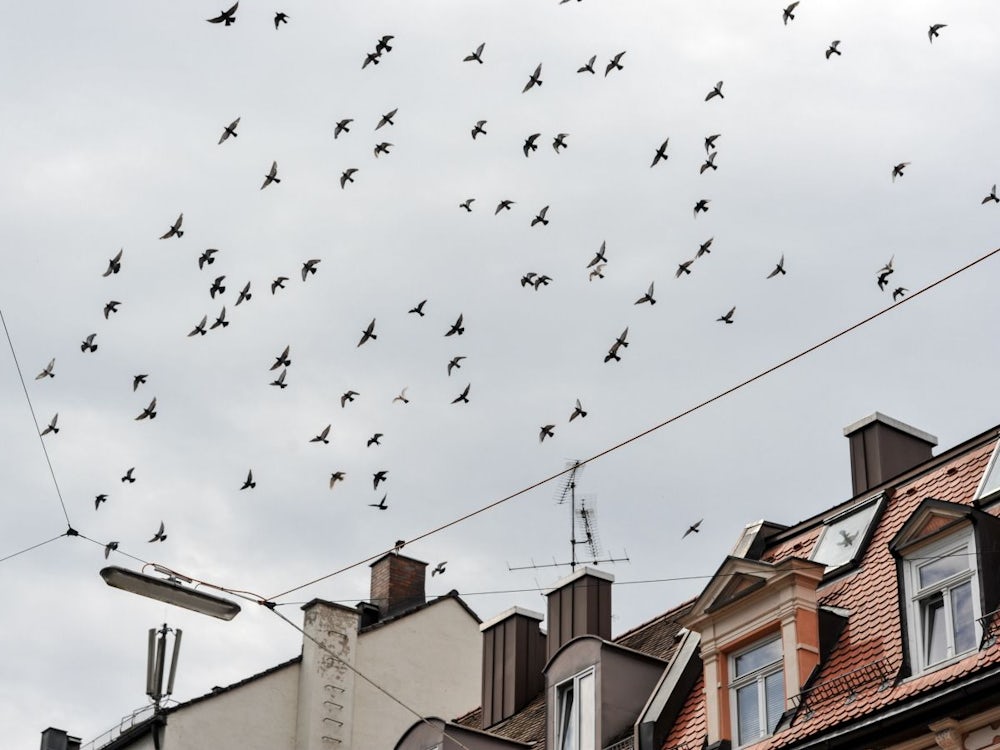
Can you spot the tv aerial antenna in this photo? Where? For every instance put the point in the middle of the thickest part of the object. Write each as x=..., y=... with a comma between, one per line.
x=583, y=524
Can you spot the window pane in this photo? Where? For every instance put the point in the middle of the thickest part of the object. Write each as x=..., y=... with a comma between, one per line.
x=841, y=540
x=932, y=616
x=945, y=567
x=761, y=656
x=567, y=735
x=586, y=708
x=962, y=617
x=774, y=699
x=748, y=713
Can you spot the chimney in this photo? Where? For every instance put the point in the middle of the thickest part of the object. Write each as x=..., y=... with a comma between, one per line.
x=883, y=448
x=397, y=583
x=57, y=739
x=369, y=614
x=513, y=658
x=580, y=604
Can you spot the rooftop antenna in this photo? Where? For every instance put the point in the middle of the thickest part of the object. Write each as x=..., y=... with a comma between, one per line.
x=156, y=661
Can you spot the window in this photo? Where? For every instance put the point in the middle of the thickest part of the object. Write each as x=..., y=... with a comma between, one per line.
x=844, y=536
x=757, y=690
x=991, y=479
x=943, y=593
x=576, y=724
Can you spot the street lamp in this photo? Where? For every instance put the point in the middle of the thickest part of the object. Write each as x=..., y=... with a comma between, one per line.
x=170, y=590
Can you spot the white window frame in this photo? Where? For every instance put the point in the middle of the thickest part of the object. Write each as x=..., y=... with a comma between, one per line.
x=756, y=676
x=583, y=740
x=981, y=491
x=964, y=543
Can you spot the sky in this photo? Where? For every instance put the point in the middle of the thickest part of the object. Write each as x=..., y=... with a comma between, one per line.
x=114, y=111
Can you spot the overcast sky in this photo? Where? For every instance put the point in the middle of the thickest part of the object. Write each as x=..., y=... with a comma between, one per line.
x=113, y=114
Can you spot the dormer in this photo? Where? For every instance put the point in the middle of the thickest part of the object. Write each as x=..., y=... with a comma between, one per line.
x=760, y=641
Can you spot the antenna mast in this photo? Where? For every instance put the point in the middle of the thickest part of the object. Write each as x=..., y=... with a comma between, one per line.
x=156, y=662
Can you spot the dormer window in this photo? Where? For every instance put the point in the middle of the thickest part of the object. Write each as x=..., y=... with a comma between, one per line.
x=757, y=690
x=576, y=722
x=991, y=479
x=845, y=536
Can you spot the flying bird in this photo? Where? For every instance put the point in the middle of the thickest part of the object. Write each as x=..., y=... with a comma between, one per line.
x=897, y=171
x=374, y=440
x=477, y=55
x=547, y=430
x=47, y=371
x=244, y=294
x=382, y=148
x=703, y=248
x=439, y=568
x=503, y=205
x=467, y=205
x=138, y=380
x=341, y=127
x=200, y=328
x=51, y=427
x=540, y=217
x=280, y=382
x=684, y=267
x=577, y=411
x=589, y=67
x=478, y=129
x=661, y=153
x=933, y=31
x=456, y=327
x=615, y=63
x=217, y=287
x=529, y=143
x=347, y=176
x=309, y=267
x=278, y=283
x=647, y=297
x=541, y=280
x=229, y=130
x=701, y=205
x=779, y=268
x=381, y=504
x=599, y=256
x=455, y=363
x=787, y=15
x=337, y=476
x=884, y=273
x=560, y=141
x=271, y=176
x=387, y=119
x=402, y=396
x=619, y=343
x=463, y=396
x=709, y=163
x=534, y=80
x=368, y=333
x=249, y=484
x=898, y=293
x=832, y=49
x=419, y=309
x=280, y=17
x=228, y=17
x=175, y=230
x=716, y=91
x=88, y=345
x=348, y=396
x=206, y=257
x=114, y=265
x=527, y=278
x=728, y=317
x=991, y=197
x=129, y=476
x=109, y=548
x=149, y=411
x=693, y=528
x=379, y=476
x=597, y=272
x=282, y=359
x=322, y=437
x=98, y=499
x=382, y=45
x=160, y=536
x=710, y=141
x=371, y=58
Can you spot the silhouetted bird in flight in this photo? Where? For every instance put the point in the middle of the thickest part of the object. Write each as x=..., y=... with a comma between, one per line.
x=249, y=484
x=200, y=328
x=175, y=230
x=88, y=345
x=992, y=197
x=547, y=430
x=693, y=528
x=832, y=49
x=577, y=411
x=503, y=205
x=703, y=248
x=217, y=287
x=716, y=91
x=401, y=396
x=280, y=17
x=138, y=380
x=478, y=129
x=381, y=504
x=615, y=63
x=374, y=440
x=463, y=396
x=348, y=396
x=661, y=153
x=206, y=257
x=477, y=55
x=787, y=15
x=347, y=176
x=419, y=309
x=337, y=476
x=382, y=45
x=309, y=267
x=378, y=477
x=932, y=32
x=455, y=364
x=898, y=293
x=229, y=130
x=368, y=333
x=271, y=176
x=439, y=568
x=149, y=412
x=51, y=427
x=597, y=272
x=280, y=382
x=560, y=141
x=728, y=317
x=98, y=500
x=897, y=171
x=341, y=127
x=278, y=283
x=228, y=17
x=387, y=118
x=160, y=535
x=114, y=265
x=589, y=67
x=648, y=296
x=779, y=268
x=534, y=80
x=701, y=205
x=599, y=256
x=619, y=343
x=709, y=163
x=382, y=148
x=111, y=307
x=282, y=359
x=529, y=143
x=371, y=59
x=47, y=371
x=109, y=548
x=244, y=293
x=710, y=141
x=456, y=327
x=322, y=437
x=684, y=267
x=467, y=204
x=129, y=476
x=540, y=217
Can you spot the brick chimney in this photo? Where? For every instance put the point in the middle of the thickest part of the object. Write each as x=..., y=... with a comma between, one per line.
x=513, y=658
x=580, y=604
x=883, y=448
x=397, y=583
x=57, y=739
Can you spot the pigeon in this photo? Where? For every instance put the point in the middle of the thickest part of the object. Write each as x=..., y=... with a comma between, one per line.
x=138, y=380
x=160, y=536
x=542, y=280
x=898, y=293
x=728, y=317
x=597, y=272
x=710, y=141
x=478, y=129
x=456, y=327
x=371, y=58
x=402, y=396
x=249, y=484
x=47, y=371
x=200, y=328
x=540, y=217
x=709, y=163
x=547, y=430
x=439, y=568
x=280, y=17
x=693, y=528
x=341, y=127
x=419, y=309
x=647, y=297
x=217, y=287
x=619, y=343
x=149, y=411
x=503, y=205
x=109, y=548
x=991, y=197
x=309, y=267
x=229, y=130
x=98, y=500
x=534, y=80
x=387, y=119
x=278, y=283
x=477, y=55
x=282, y=359
x=933, y=31
x=716, y=91
x=832, y=49
x=382, y=148
x=560, y=141
x=88, y=345
x=244, y=294
x=271, y=176
x=322, y=437
x=400, y=543
x=382, y=45
x=883, y=280
x=577, y=411
x=599, y=256
x=463, y=396
x=701, y=205
x=455, y=363
x=348, y=396
x=280, y=382
x=175, y=230
x=847, y=539
x=779, y=268
x=661, y=153
x=379, y=476
x=228, y=17
x=128, y=476
x=337, y=476
x=368, y=333
x=897, y=171
x=589, y=67
x=52, y=425
x=703, y=248
x=381, y=504
x=467, y=205
x=787, y=15
x=615, y=63
x=684, y=267
x=115, y=264
x=206, y=257
x=347, y=176
x=528, y=278
x=374, y=440
x=529, y=143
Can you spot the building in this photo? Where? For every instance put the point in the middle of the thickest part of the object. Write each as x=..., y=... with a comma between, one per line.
x=870, y=626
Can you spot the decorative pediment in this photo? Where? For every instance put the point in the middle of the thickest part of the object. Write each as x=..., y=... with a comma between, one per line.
x=739, y=585
x=930, y=518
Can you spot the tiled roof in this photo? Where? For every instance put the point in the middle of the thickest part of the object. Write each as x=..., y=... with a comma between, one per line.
x=873, y=632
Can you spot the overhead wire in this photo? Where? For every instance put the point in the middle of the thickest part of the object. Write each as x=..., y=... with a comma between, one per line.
x=28, y=549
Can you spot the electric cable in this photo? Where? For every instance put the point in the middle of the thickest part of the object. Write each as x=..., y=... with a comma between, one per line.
x=28, y=549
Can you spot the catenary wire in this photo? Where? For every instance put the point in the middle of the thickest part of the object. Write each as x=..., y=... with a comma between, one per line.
x=28, y=549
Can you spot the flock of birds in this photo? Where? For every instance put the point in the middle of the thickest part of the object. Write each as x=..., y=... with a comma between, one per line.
x=595, y=268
